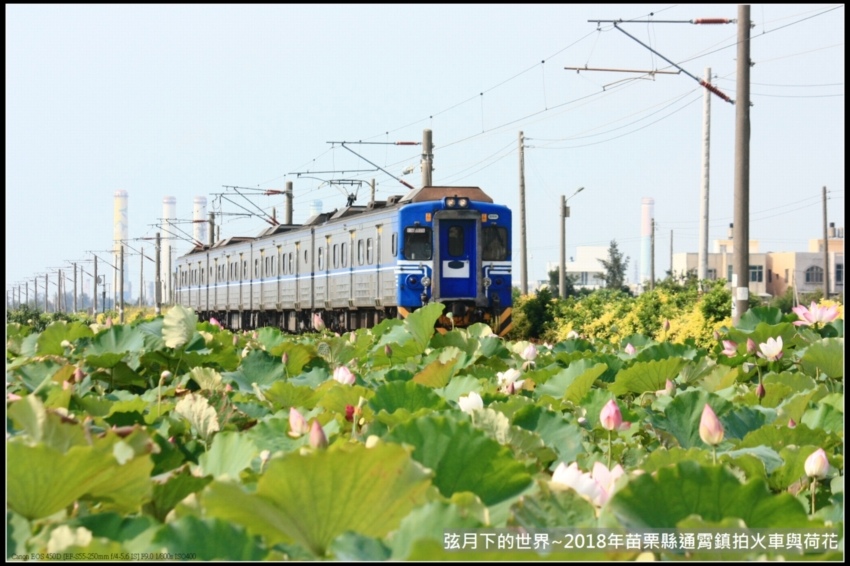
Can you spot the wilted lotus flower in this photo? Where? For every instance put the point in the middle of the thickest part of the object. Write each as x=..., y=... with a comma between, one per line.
x=772, y=349
x=318, y=323
x=815, y=314
x=751, y=346
x=509, y=381
x=710, y=427
x=817, y=464
x=629, y=349
x=317, y=436
x=297, y=423
x=469, y=403
x=610, y=416
x=730, y=348
x=344, y=375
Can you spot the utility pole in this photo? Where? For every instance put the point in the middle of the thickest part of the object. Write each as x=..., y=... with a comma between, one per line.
x=142, y=274
x=671, y=257
x=702, y=268
x=427, y=158
x=523, y=262
x=94, y=287
x=157, y=293
x=741, y=237
x=75, y=286
x=121, y=287
x=212, y=229
x=825, y=251
x=46, y=293
x=652, y=257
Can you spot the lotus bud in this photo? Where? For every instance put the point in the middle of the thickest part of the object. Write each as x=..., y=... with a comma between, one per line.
x=79, y=374
x=630, y=350
x=388, y=351
x=318, y=323
x=349, y=413
x=284, y=359
x=215, y=322
x=792, y=423
x=610, y=416
x=164, y=376
x=530, y=353
x=352, y=338
x=760, y=391
x=265, y=455
x=716, y=336
x=471, y=402
x=669, y=388
x=254, y=335
x=343, y=375
x=710, y=427
x=297, y=423
x=582, y=421
x=730, y=348
x=317, y=436
x=228, y=388
x=751, y=346
x=817, y=464
x=235, y=339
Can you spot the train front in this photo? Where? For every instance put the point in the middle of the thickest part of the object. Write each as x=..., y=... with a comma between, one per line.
x=455, y=248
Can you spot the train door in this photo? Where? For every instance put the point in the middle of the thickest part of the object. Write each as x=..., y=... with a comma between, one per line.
x=457, y=256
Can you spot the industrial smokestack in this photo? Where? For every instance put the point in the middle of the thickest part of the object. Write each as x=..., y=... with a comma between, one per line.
x=832, y=229
x=647, y=206
x=200, y=219
x=730, y=230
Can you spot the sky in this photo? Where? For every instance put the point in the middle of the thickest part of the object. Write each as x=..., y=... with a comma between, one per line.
x=189, y=100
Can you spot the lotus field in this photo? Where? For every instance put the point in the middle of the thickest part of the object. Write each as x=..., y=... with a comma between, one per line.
x=170, y=438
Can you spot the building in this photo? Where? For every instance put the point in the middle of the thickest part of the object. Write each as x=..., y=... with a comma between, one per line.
x=584, y=269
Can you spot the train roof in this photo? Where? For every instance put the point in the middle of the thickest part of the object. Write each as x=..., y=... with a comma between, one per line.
x=425, y=194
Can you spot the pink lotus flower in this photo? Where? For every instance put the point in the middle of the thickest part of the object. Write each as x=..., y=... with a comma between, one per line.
x=772, y=349
x=751, y=346
x=297, y=423
x=669, y=388
x=817, y=464
x=318, y=323
x=629, y=349
x=730, y=348
x=317, y=436
x=597, y=486
x=792, y=423
x=710, y=427
x=760, y=392
x=509, y=381
x=610, y=416
x=530, y=353
x=344, y=375
x=815, y=314
x=215, y=322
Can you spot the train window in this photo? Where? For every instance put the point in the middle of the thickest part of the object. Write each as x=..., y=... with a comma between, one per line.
x=305, y=257
x=456, y=245
x=495, y=243
x=290, y=262
x=417, y=242
x=245, y=269
x=360, y=254
x=320, y=256
x=395, y=243
x=369, y=258
x=343, y=254
x=336, y=255
x=256, y=268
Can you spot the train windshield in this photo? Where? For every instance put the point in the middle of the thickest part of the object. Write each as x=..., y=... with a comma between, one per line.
x=495, y=243
x=417, y=242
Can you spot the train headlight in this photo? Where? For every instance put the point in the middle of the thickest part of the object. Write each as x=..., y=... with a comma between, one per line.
x=451, y=202
x=412, y=281
x=463, y=202
x=426, y=281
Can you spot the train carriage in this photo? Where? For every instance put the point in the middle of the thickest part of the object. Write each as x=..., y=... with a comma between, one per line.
x=355, y=266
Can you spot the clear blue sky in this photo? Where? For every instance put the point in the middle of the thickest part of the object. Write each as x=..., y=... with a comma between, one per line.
x=181, y=100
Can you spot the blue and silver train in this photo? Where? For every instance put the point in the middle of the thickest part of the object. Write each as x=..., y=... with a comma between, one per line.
x=355, y=266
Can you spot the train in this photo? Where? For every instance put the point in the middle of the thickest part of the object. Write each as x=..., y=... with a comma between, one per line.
x=355, y=266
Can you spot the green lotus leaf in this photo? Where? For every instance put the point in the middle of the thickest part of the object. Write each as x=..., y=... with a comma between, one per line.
x=405, y=395
x=284, y=394
x=258, y=367
x=36, y=374
x=229, y=454
x=298, y=356
x=178, y=327
x=313, y=498
x=768, y=315
x=463, y=458
x=110, y=346
x=793, y=468
x=825, y=357
x=646, y=376
x=430, y=521
x=50, y=341
x=30, y=417
x=351, y=547
x=438, y=372
x=559, y=434
x=780, y=436
x=167, y=495
x=206, y=378
x=825, y=417
x=115, y=527
x=581, y=371
x=552, y=508
x=672, y=494
x=222, y=541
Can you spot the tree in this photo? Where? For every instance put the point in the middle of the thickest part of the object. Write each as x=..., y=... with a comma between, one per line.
x=555, y=283
x=615, y=267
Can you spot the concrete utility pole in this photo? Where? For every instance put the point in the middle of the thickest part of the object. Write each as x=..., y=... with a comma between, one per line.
x=46, y=293
x=212, y=229
x=94, y=287
x=523, y=270
x=157, y=292
x=825, y=251
x=121, y=288
x=562, y=271
x=671, y=257
x=287, y=215
x=652, y=258
x=702, y=261
x=741, y=238
x=142, y=275
x=427, y=158
x=75, y=286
